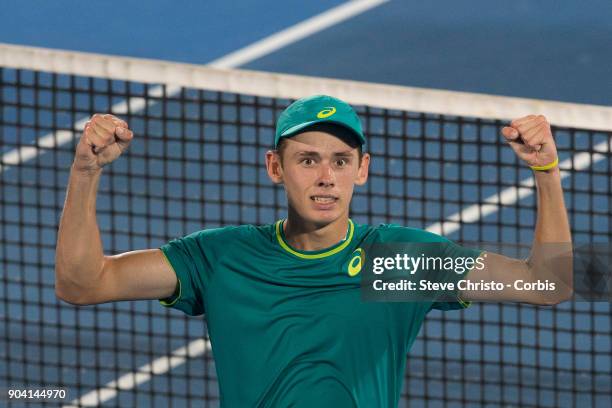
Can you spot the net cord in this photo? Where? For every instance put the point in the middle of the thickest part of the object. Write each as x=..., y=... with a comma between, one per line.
x=276, y=85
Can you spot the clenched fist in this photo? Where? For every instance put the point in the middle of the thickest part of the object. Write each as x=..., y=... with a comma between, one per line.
x=531, y=139
x=104, y=138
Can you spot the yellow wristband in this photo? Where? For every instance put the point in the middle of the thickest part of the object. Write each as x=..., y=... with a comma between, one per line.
x=546, y=166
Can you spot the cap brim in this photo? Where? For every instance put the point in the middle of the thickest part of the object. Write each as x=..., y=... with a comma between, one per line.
x=297, y=128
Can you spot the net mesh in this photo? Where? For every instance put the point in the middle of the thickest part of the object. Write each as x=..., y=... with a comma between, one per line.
x=197, y=162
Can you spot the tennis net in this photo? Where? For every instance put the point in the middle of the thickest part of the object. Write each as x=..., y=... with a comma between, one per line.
x=197, y=162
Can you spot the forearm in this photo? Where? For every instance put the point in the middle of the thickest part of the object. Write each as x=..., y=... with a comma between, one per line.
x=79, y=254
x=552, y=225
x=551, y=252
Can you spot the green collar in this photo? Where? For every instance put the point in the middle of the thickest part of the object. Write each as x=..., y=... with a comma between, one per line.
x=280, y=236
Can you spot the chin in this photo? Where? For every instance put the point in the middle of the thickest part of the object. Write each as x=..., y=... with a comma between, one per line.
x=322, y=218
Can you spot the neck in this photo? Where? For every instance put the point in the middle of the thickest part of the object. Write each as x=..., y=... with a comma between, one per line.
x=309, y=236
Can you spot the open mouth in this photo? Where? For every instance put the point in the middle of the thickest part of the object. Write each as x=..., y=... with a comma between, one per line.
x=324, y=199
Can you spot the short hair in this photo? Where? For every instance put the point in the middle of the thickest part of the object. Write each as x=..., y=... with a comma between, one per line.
x=341, y=132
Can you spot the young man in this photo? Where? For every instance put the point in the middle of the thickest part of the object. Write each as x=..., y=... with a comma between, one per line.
x=283, y=301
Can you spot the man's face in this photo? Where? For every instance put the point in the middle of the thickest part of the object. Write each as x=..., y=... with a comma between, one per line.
x=319, y=171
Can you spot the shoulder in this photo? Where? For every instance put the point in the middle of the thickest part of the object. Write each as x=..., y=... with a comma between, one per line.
x=398, y=233
x=233, y=232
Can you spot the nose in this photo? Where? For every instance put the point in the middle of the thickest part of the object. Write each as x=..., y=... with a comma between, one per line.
x=326, y=176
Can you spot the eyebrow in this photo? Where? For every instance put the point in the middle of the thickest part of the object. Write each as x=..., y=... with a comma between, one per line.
x=308, y=153
x=348, y=153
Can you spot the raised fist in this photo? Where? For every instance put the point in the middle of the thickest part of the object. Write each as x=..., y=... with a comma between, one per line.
x=104, y=138
x=531, y=139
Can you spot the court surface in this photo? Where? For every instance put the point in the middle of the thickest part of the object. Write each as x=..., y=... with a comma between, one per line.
x=525, y=50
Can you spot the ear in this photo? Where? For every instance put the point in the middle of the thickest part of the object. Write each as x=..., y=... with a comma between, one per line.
x=274, y=167
x=364, y=168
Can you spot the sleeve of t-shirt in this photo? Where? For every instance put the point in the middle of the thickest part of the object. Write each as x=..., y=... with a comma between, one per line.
x=191, y=258
x=450, y=249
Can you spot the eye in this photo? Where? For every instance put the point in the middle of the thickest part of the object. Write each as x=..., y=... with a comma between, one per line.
x=341, y=162
x=307, y=162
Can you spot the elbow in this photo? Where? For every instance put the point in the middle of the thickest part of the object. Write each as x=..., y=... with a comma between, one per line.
x=69, y=297
x=558, y=296
x=564, y=295
x=552, y=277
x=68, y=291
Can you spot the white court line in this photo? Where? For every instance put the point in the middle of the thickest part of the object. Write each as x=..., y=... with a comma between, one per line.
x=258, y=49
x=55, y=139
x=511, y=195
x=242, y=56
x=295, y=33
x=143, y=374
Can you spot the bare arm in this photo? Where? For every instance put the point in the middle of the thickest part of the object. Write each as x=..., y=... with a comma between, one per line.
x=551, y=251
x=83, y=274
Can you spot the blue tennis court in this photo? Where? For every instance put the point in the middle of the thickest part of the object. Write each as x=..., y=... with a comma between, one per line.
x=180, y=177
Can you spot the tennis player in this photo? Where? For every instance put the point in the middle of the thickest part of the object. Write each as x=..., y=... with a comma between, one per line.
x=285, y=316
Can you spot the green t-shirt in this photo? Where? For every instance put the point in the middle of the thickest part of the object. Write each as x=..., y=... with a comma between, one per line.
x=288, y=327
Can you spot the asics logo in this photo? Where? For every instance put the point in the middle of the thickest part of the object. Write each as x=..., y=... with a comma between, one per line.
x=326, y=113
x=354, y=265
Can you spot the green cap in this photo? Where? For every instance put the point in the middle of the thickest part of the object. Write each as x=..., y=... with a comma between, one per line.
x=316, y=109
